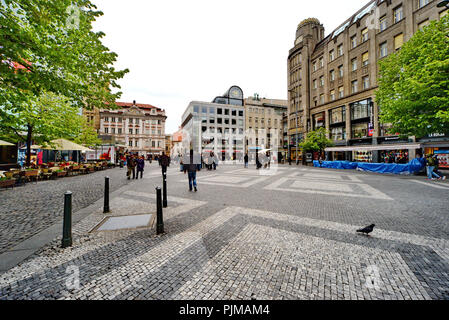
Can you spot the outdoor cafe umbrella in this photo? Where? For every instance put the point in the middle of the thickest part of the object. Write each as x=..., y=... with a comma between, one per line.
x=5, y=143
x=64, y=145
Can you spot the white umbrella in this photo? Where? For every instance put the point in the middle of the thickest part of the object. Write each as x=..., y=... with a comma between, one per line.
x=5, y=143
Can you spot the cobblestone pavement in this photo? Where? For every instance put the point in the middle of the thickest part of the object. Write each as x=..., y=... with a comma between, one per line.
x=286, y=233
x=29, y=209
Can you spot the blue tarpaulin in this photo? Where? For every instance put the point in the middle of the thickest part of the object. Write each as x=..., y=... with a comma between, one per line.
x=414, y=166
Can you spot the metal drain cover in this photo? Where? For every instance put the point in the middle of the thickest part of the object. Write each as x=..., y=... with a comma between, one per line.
x=124, y=222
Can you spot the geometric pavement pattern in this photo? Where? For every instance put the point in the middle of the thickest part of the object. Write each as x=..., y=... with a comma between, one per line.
x=237, y=252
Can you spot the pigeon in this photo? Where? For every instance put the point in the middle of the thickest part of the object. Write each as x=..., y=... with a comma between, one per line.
x=367, y=230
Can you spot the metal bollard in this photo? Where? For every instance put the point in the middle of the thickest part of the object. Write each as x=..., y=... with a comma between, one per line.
x=67, y=224
x=164, y=189
x=159, y=217
x=106, y=195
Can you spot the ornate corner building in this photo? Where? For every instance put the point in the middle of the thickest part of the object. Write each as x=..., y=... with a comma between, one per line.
x=332, y=79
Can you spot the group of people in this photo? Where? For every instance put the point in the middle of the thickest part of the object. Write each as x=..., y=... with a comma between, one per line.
x=134, y=163
x=432, y=164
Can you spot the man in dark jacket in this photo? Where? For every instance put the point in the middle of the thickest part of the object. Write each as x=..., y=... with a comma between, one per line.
x=191, y=167
x=140, y=167
x=131, y=164
x=246, y=160
x=165, y=162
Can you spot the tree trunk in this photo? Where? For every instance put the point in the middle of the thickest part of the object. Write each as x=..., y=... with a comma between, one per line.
x=29, y=135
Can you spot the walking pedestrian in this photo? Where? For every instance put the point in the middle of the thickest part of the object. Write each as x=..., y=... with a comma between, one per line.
x=191, y=167
x=246, y=160
x=430, y=166
x=140, y=167
x=164, y=162
x=131, y=164
x=437, y=165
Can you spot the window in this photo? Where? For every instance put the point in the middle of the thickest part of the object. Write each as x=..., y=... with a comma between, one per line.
x=423, y=24
x=315, y=85
x=212, y=110
x=365, y=81
x=331, y=55
x=226, y=121
x=365, y=59
x=364, y=35
x=234, y=113
x=360, y=130
x=383, y=23
x=321, y=62
x=119, y=130
x=106, y=119
x=106, y=130
x=341, y=92
x=340, y=50
x=131, y=120
x=314, y=66
x=113, y=119
x=130, y=131
x=219, y=120
x=340, y=71
x=332, y=95
x=137, y=131
x=321, y=81
x=353, y=42
x=137, y=143
x=234, y=122
x=422, y=3
x=360, y=109
x=196, y=109
x=383, y=50
x=240, y=113
x=226, y=112
x=219, y=111
x=338, y=133
x=203, y=110
x=354, y=86
x=240, y=123
x=130, y=143
x=354, y=64
x=398, y=41
x=398, y=14
x=332, y=75
x=321, y=98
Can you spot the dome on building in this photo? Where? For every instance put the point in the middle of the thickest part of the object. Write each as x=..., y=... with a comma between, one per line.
x=309, y=20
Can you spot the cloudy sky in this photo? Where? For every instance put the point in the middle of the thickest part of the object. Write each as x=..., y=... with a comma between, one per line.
x=184, y=50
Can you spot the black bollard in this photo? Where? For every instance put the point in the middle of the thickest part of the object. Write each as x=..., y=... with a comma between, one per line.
x=67, y=224
x=164, y=189
x=106, y=195
x=159, y=217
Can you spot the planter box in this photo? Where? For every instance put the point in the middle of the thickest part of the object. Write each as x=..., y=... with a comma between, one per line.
x=7, y=183
x=61, y=174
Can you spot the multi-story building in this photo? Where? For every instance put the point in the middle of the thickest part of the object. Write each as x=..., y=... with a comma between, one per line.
x=93, y=118
x=264, y=123
x=177, y=146
x=140, y=127
x=217, y=126
x=168, y=144
x=332, y=80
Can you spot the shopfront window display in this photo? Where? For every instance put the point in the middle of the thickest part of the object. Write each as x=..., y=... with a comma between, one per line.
x=394, y=156
x=362, y=156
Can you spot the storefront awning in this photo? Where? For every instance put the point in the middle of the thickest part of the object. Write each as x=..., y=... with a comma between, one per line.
x=404, y=146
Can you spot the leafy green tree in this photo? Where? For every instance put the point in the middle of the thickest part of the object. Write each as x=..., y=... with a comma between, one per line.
x=49, y=46
x=88, y=136
x=413, y=92
x=46, y=118
x=316, y=141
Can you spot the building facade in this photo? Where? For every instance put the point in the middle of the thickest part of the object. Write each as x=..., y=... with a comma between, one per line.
x=264, y=124
x=168, y=144
x=140, y=127
x=332, y=80
x=217, y=126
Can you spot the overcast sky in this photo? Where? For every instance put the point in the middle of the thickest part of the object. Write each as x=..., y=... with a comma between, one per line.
x=179, y=51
